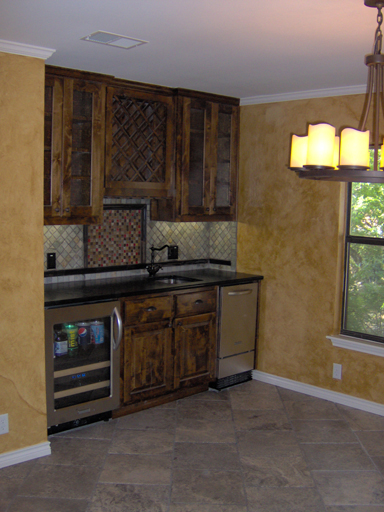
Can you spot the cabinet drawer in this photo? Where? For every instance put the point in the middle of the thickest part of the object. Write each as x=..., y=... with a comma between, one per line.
x=196, y=303
x=151, y=309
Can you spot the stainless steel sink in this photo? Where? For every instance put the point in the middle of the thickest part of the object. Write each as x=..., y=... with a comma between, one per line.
x=174, y=279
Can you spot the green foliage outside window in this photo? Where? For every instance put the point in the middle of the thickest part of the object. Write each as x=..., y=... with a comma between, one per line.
x=365, y=295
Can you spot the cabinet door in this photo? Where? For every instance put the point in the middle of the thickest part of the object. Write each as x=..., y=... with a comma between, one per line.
x=148, y=361
x=53, y=135
x=74, y=151
x=195, y=345
x=208, y=163
x=140, y=143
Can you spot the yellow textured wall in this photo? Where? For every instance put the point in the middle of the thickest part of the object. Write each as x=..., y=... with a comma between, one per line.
x=22, y=378
x=290, y=231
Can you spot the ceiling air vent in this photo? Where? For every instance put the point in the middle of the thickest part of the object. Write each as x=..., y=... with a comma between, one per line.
x=113, y=40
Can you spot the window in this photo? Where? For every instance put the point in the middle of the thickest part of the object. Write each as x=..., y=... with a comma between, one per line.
x=363, y=311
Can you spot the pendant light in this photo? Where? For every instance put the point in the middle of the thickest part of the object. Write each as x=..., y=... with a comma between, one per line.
x=321, y=155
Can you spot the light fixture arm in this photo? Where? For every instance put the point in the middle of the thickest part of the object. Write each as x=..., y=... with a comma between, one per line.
x=311, y=155
x=375, y=63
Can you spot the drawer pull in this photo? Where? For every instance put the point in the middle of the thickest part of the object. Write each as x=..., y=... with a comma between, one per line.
x=241, y=292
x=150, y=309
x=198, y=302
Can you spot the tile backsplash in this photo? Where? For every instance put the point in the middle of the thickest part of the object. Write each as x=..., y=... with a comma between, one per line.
x=196, y=240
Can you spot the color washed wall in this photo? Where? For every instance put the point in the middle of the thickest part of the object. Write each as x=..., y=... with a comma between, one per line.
x=22, y=377
x=291, y=231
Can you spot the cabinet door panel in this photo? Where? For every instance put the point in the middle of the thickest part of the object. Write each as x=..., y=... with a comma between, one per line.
x=53, y=132
x=195, y=342
x=208, y=165
x=140, y=143
x=73, y=151
x=148, y=361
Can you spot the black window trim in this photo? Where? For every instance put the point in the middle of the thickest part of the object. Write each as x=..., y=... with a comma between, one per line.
x=353, y=239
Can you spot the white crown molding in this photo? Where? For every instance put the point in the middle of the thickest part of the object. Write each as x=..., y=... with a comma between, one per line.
x=325, y=394
x=25, y=454
x=25, y=49
x=303, y=95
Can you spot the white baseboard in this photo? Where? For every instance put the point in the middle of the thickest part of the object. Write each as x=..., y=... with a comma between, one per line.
x=24, y=454
x=326, y=394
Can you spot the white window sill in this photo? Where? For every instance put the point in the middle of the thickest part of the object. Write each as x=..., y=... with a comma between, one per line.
x=358, y=345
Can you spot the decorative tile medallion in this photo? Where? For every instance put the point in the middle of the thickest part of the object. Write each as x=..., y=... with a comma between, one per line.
x=118, y=240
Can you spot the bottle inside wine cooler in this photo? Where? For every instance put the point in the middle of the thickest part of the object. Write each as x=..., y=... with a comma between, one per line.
x=72, y=333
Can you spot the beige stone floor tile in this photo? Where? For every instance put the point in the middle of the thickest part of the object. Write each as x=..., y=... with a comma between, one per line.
x=137, y=469
x=11, y=479
x=129, y=498
x=361, y=420
x=204, y=431
x=284, y=500
x=276, y=471
x=257, y=396
x=207, y=486
x=54, y=481
x=357, y=508
x=273, y=459
x=261, y=420
x=206, y=456
x=200, y=507
x=323, y=431
x=373, y=442
x=350, y=487
x=312, y=409
x=204, y=410
x=77, y=452
x=336, y=457
x=157, y=418
x=251, y=447
x=210, y=395
x=156, y=442
x=29, y=504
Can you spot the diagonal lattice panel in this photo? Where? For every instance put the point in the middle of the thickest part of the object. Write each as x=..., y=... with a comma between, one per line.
x=138, y=140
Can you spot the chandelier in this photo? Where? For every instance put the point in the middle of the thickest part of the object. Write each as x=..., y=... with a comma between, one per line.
x=321, y=155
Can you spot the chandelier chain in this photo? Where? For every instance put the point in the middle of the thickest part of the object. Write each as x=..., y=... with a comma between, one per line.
x=378, y=33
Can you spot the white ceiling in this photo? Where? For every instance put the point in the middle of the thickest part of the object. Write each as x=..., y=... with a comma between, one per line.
x=241, y=48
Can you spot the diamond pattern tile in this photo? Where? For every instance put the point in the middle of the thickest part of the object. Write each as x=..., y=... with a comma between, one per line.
x=196, y=240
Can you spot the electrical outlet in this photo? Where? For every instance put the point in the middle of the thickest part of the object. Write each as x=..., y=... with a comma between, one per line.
x=51, y=260
x=4, y=428
x=173, y=252
x=337, y=371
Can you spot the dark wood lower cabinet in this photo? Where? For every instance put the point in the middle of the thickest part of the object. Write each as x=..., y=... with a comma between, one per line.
x=165, y=360
x=195, y=350
x=148, y=362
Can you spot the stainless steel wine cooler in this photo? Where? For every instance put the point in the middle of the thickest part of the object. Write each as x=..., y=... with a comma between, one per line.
x=82, y=361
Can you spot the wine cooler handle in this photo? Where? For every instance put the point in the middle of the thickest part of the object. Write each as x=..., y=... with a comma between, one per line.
x=119, y=321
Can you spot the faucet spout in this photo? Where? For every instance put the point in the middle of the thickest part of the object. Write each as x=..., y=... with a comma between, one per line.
x=153, y=268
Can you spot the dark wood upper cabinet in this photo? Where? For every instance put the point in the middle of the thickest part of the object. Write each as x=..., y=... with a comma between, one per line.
x=73, y=150
x=116, y=138
x=139, y=142
x=206, y=160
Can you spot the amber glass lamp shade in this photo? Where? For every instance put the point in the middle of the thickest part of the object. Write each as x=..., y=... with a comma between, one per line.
x=299, y=148
x=321, y=143
x=336, y=153
x=354, y=149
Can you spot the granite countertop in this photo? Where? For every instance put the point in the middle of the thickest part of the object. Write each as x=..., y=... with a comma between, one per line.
x=100, y=290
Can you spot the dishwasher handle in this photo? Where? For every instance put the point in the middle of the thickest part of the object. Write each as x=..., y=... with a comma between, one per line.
x=241, y=292
x=116, y=343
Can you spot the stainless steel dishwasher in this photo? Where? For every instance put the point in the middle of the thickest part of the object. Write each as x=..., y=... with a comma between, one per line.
x=237, y=334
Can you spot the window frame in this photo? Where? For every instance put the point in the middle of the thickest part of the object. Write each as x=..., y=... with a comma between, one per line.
x=354, y=239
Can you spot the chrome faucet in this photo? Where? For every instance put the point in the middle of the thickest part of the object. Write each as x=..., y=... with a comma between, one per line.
x=153, y=267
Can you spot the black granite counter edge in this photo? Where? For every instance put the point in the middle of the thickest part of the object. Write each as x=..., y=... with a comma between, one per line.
x=140, y=266
x=88, y=292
